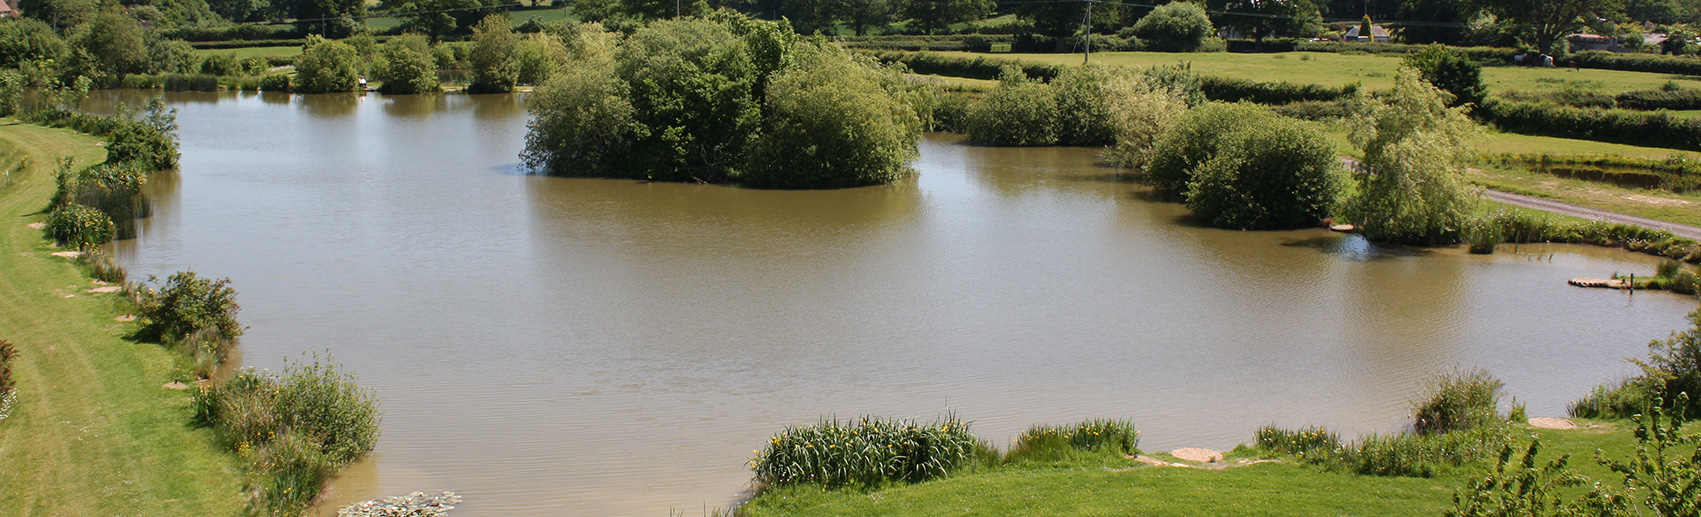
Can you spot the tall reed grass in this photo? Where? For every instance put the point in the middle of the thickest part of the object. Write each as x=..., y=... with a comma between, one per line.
x=1055, y=443
x=867, y=452
x=1523, y=227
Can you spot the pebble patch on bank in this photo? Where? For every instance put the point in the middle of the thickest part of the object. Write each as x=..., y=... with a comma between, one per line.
x=37, y=226
x=107, y=289
x=67, y=254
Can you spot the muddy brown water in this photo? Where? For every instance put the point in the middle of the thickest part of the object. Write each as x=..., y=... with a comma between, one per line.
x=549, y=346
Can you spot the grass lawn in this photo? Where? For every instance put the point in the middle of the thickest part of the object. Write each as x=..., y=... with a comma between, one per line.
x=1653, y=204
x=93, y=431
x=248, y=52
x=1372, y=71
x=1132, y=488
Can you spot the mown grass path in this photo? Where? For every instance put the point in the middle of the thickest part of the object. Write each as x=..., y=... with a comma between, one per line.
x=93, y=431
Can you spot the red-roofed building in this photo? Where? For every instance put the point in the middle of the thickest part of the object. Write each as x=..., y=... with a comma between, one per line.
x=6, y=10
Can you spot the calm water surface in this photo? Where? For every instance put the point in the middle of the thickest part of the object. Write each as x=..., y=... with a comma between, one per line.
x=550, y=345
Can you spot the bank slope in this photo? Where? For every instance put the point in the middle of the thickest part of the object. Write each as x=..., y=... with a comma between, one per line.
x=93, y=431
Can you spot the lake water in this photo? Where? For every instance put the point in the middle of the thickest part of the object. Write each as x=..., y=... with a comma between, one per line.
x=549, y=346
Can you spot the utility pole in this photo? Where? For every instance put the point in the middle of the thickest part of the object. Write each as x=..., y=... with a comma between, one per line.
x=676, y=7
x=1087, y=51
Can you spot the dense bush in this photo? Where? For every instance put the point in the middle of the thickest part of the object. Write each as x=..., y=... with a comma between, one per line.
x=1056, y=443
x=1412, y=187
x=188, y=304
x=77, y=226
x=148, y=138
x=1142, y=109
x=1657, y=129
x=29, y=40
x=1235, y=90
x=407, y=67
x=327, y=66
x=299, y=427
x=866, y=453
x=537, y=57
x=681, y=100
x=275, y=83
x=1451, y=72
x=1085, y=96
x=1194, y=140
x=978, y=67
x=1175, y=27
x=113, y=188
x=1458, y=402
x=1019, y=112
x=494, y=69
x=830, y=122
x=1268, y=173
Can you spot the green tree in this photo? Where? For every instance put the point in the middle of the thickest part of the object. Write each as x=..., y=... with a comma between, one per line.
x=932, y=15
x=694, y=88
x=1270, y=174
x=1453, y=73
x=1178, y=26
x=327, y=66
x=1142, y=109
x=329, y=18
x=61, y=14
x=407, y=66
x=583, y=122
x=438, y=18
x=117, y=43
x=831, y=123
x=494, y=69
x=537, y=57
x=1259, y=19
x=1412, y=186
x=1544, y=22
x=862, y=14
x=1019, y=112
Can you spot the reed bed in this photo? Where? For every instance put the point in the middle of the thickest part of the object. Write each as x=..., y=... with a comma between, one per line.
x=867, y=452
x=1097, y=436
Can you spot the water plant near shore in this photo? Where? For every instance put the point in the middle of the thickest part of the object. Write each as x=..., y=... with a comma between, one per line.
x=297, y=428
x=1054, y=443
x=867, y=452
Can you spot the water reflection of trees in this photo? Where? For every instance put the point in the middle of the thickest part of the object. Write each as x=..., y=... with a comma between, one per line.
x=330, y=105
x=1020, y=170
x=497, y=106
x=420, y=105
x=717, y=220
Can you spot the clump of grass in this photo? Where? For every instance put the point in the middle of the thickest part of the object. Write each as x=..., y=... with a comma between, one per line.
x=1302, y=443
x=1055, y=443
x=7, y=353
x=1482, y=237
x=1415, y=455
x=1458, y=402
x=102, y=267
x=296, y=429
x=867, y=452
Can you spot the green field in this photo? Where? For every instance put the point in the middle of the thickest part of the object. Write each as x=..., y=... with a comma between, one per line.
x=1133, y=488
x=93, y=431
x=248, y=52
x=1371, y=71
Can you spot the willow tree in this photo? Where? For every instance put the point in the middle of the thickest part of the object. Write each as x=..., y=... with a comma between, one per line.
x=1412, y=186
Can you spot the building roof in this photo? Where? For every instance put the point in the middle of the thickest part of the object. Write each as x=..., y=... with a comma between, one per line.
x=1589, y=37
x=4, y=8
x=1376, y=31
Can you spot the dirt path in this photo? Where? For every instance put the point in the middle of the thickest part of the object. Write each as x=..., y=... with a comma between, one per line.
x=1563, y=208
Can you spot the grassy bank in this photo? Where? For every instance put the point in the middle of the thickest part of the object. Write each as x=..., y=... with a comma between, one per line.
x=1092, y=488
x=93, y=432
